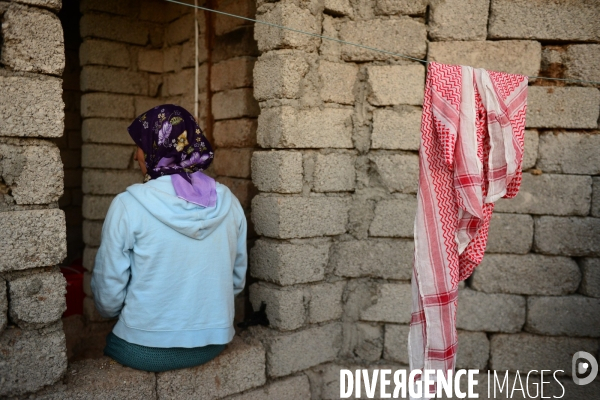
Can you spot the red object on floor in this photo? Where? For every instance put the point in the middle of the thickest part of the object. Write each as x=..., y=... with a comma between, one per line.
x=74, y=276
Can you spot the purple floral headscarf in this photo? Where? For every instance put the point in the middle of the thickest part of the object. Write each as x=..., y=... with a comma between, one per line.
x=173, y=144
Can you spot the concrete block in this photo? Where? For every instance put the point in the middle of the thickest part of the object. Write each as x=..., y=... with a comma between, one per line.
x=381, y=258
x=106, y=156
x=239, y=367
x=364, y=340
x=296, y=217
x=567, y=236
x=550, y=194
x=294, y=388
x=31, y=174
x=225, y=24
x=232, y=74
x=235, y=103
x=395, y=347
x=142, y=104
x=31, y=360
x=114, y=28
x=182, y=29
x=235, y=133
x=590, y=281
x=288, y=264
x=89, y=256
x=396, y=84
x=408, y=7
x=473, y=350
x=106, y=105
x=284, y=127
x=337, y=82
x=544, y=20
x=33, y=238
x=279, y=74
x=563, y=316
x=95, y=207
x=403, y=35
x=325, y=301
x=292, y=16
x=150, y=60
x=38, y=96
x=173, y=57
x=334, y=172
x=330, y=49
x=390, y=304
x=562, y=107
x=103, y=378
x=394, y=217
x=580, y=61
x=398, y=172
x=397, y=129
x=289, y=353
x=37, y=300
x=595, y=209
x=32, y=40
x=520, y=274
x=98, y=130
x=510, y=233
x=277, y=171
x=338, y=8
x=51, y=4
x=3, y=306
x=103, y=52
x=478, y=311
x=237, y=43
x=243, y=189
x=452, y=21
x=182, y=82
x=570, y=153
x=530, y=149
x=512, y=56
x=92, y=232
x=525, y=352
x=232, y=162
x=285, y=306
x=108, y=182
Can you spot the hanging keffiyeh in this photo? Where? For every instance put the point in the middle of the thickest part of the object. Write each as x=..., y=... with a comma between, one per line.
x=470, y=155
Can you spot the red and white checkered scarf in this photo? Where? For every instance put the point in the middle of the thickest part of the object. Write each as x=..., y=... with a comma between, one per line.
x=472, y=133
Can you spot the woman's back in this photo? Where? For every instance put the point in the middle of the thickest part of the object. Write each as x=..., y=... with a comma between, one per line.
x=186, y=264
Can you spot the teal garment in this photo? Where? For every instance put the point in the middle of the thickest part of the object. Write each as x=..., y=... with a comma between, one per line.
x=158, y=359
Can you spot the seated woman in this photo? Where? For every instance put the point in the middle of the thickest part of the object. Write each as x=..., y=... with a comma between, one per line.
x=173, y=251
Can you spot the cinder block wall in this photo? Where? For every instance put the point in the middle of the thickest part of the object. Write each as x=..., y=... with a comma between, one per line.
x=339, y=126
x=32, y=289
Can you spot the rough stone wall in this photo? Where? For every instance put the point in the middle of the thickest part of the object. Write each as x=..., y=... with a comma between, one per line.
x=32, y=289
x=339, y=126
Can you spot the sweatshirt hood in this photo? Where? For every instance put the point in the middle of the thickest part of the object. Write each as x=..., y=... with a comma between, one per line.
x=159, y=198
